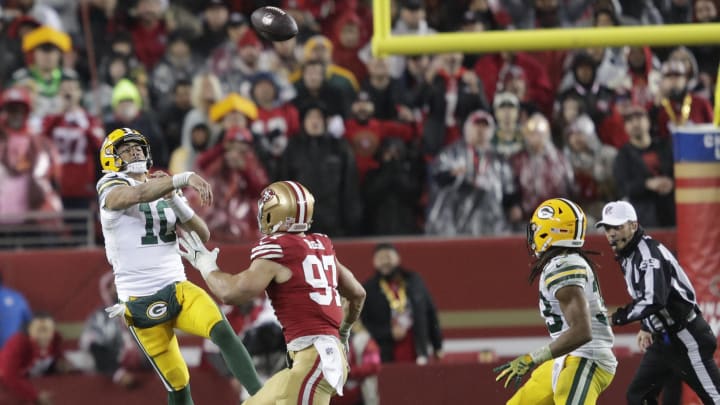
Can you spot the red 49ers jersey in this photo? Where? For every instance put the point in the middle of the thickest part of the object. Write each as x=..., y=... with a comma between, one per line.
x=308, y=303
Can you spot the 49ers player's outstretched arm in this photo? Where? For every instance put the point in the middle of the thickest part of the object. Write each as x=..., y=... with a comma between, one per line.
x=236, y=289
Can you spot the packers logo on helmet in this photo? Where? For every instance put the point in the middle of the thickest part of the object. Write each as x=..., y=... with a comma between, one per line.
x=110, y=160
x=556, y=222
x=285, y=206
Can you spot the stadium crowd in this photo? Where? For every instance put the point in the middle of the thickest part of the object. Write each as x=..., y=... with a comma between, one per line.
x=448, y=144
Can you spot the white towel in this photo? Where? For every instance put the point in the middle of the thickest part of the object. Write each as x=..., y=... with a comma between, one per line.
x=558, y=365
x=331, y=361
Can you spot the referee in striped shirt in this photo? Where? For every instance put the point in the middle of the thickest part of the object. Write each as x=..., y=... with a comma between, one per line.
x=677, y=341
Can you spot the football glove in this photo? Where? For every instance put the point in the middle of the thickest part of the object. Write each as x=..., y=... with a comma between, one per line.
x=195, y=252
x=115, y=310
x=515, y=370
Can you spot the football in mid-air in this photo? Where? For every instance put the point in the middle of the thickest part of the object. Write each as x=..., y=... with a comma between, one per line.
x=274, y=24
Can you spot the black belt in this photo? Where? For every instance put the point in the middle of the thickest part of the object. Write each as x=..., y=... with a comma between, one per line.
x=664, y=335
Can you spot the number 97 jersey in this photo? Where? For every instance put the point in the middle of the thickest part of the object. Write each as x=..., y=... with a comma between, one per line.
x=308, y=303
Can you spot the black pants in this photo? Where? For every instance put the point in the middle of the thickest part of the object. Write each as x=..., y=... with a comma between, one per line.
x=687, y=354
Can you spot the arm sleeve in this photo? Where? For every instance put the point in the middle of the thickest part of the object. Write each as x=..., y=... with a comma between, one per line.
x=655, y=290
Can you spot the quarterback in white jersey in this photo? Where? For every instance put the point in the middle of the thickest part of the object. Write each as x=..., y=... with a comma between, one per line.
x=139, y=214
x=579, y=363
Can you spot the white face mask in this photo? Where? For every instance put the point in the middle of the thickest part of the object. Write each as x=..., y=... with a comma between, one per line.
x=136, y=167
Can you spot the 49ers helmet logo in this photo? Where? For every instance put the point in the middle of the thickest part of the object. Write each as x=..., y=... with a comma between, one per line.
x=267, y=195
x=157, y=310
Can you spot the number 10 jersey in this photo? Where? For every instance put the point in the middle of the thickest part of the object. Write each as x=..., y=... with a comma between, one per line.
x=140, y=242
x=308, y=303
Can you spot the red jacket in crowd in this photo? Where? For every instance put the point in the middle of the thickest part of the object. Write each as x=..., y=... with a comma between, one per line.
x=20, y=359
x=365, y=138
x=77, y=136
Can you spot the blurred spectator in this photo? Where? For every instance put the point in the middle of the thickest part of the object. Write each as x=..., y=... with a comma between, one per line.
x=413, y=90
x=15, y=312
x=698, y=84
x=214, y=27
x=235, y=77
x=11, y=35
x=385, y=92
x=178, y=63
x=678, y=106
x=119, y=63
x=512, y=79
x=77, y=135
x=643, y=75
x=501, y=67
x=392, y=190
x=708, y=56
x=347, y=40
x=115, y=354
x=508, y=137
x=584, y=82
x=643, y=172
x=476, y=21
x=365, y=133
x=326, y=166
x=43, y=13
x=43, y=48
x=224, y=54
x=473, y=185
x=455, y=92
x=32, y=353
x=315, y=88
x=592, y=164
x=282, y=60
x=232, y=112
x=29, y=164
x=528, y=14
x=237, y=178
x=361, y=387
x=277, y=121
x=127, y=107
x=399, y=312
x=184, y=158
x=639, y=12
x=411, y=21
x=149, y=32
x=104, y=23
x=675, y=11
x=611, y=66
x=319, y=48
x=542, y=171
x=172, y=116
x=205, y=92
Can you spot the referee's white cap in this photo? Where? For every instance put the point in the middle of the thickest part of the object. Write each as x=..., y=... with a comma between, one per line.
x=617, y=213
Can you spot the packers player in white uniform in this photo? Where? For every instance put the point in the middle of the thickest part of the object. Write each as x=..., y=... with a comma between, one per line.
x=579, y=363
x=139, y=215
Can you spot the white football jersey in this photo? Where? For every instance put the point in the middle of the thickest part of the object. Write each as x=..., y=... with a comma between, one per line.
x=572, y=270
x=140, y=242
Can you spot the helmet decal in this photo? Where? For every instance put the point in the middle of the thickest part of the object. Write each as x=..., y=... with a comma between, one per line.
x=546, y=212
x=301, y=202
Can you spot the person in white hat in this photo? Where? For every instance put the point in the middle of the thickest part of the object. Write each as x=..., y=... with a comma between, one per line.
x=676, y=339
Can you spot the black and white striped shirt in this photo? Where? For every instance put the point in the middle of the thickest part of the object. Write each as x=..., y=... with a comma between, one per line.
x=663, y=297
